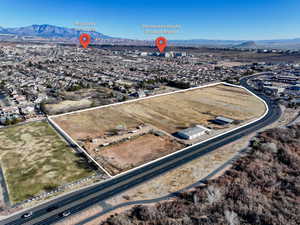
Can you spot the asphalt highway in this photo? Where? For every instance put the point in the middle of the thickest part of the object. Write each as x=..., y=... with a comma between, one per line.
x=51, y=212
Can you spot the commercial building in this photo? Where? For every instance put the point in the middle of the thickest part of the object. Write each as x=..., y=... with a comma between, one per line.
x=144, y=54
x=192, y=132
x=272, y=91
x=293, y=90
x=223, y=120
x=295, y=101
x=285, y=79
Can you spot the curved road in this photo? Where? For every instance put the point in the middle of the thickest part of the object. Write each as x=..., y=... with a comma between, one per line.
x=84, y=198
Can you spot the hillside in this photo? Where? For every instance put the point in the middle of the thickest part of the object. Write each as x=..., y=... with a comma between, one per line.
x=263, y=188
x=247, y=44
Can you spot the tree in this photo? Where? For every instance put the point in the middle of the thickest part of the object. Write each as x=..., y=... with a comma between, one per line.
x=29, y=64
x=231, y=217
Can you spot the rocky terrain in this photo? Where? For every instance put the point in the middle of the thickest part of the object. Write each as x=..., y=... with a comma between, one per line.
x=263, y=187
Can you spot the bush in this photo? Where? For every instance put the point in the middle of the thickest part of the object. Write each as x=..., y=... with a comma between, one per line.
x=261, y=188
x=50, y=187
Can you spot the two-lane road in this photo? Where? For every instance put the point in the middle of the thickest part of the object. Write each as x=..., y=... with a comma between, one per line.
x=79, y=200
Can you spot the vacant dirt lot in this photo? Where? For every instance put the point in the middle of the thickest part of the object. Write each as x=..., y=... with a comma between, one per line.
x=127, y=155
x=171, y=181
x=169, y=113
x=35, y=159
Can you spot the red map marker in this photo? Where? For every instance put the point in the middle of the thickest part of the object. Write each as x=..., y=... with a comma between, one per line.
x=85, y=40
x=161, y=43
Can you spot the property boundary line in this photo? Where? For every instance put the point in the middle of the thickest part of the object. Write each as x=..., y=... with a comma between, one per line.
x=70, y=140
x=64, y=134
x=138, y=99
x=97, y=183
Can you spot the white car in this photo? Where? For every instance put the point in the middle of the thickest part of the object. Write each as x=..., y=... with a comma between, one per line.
x=66, y=213
x=27, y=215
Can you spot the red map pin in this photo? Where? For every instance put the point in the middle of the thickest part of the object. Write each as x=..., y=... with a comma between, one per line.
x=85, y=40
x=161, y=43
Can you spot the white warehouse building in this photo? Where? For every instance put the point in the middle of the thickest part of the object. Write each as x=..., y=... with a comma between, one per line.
x=192, y=132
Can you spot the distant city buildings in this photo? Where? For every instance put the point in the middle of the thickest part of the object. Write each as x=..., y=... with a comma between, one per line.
x=34, y=74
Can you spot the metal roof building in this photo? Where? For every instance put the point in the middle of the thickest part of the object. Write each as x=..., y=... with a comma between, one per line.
x=223, y=120
x=192, y=132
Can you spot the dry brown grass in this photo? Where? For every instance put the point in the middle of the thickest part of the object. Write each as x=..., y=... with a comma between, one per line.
x=65, y=106
x=169, y=113
x=34, y=158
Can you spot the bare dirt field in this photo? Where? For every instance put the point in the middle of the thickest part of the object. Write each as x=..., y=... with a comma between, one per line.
x=172, y=181
x=169, y=113
x=127, y=155
x=35, y=159
x=183, y=176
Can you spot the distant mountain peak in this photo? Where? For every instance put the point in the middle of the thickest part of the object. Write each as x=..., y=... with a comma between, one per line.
x=52, y=33
x=49, y=31
x=246, y=44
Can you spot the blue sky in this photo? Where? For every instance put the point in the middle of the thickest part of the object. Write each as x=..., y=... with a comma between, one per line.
x=208, y=19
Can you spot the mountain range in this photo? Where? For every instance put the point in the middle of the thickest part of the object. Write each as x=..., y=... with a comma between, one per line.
x=247, y=44
x=46, y=32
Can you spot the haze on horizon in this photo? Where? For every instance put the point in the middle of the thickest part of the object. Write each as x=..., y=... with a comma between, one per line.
x=215, y=19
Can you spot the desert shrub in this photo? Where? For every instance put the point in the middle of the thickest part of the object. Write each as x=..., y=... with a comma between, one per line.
x=272, y=147
x=261, y=188
x=214, y=194
x=231, y=217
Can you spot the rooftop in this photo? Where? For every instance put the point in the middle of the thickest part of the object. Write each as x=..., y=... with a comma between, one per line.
x=193, y=130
